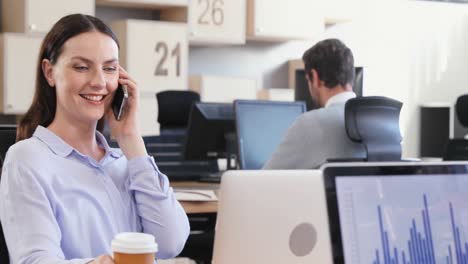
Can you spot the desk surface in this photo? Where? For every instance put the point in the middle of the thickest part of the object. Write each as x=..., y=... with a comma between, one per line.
x=198, y=207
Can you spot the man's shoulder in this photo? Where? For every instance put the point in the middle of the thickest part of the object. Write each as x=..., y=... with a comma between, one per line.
x=319, y=114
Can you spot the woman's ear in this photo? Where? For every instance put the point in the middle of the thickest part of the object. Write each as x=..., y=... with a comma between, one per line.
x=47, y=70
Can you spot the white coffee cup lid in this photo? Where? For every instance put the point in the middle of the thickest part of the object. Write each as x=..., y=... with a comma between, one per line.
x=134, y=243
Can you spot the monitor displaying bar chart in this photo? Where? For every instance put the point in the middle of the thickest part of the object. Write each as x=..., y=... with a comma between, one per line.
x=404, y=219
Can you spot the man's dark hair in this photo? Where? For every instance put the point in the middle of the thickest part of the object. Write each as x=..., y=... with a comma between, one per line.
x=333, y=62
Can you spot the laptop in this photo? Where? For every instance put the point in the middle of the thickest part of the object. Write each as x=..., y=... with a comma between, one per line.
x=272, y=217
x=261, y=126
x=398, y=212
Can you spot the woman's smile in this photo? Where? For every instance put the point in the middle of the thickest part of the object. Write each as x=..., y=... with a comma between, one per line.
x=94, y=99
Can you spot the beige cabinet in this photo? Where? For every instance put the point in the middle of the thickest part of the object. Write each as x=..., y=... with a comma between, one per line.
x=279, y=20
x=338, y=11
x=147, y=4
x=276, y=94
x=148, y=114
x=212, y=21
x=154, y=53
x=223, y=89
x=293, y=67
x=18, y=60
x=27, y=16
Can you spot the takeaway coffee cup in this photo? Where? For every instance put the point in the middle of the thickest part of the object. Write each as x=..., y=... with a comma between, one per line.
x=134, y=248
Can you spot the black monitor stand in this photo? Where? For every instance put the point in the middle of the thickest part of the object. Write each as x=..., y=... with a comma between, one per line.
x=231, y=150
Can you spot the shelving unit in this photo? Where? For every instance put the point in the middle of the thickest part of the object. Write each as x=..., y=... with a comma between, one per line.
x=223, y=89
x=156, y=52
x=340, y=11
x=212, y=22
x=293, y=66
x=32, y=16
x=266, y=20
x=18, y=57
x=276, y=94
x=147, y=4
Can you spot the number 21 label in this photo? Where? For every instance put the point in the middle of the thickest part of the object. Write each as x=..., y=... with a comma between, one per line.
x=162, y=49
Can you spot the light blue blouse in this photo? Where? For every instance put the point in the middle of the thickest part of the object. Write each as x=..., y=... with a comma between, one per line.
x=60, y=206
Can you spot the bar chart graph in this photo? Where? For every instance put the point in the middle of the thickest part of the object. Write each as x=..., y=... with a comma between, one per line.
x=420, y=247
x=404, y=219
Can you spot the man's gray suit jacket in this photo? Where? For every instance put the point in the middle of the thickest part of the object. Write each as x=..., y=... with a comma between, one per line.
x=315, y=137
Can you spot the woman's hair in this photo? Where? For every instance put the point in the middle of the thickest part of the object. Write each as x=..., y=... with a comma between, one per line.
x=43, y=107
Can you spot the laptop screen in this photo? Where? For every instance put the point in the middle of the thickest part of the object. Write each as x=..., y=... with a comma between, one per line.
x=261, y=125
x=402, y=214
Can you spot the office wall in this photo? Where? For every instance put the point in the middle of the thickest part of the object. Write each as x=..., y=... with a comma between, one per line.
x=413, y=51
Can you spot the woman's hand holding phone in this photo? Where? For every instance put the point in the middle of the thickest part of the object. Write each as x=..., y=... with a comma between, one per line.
x=126, y=130
x=119, y=101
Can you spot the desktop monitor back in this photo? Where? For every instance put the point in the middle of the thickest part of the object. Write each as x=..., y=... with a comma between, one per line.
x=272, y=217
x=261, y=126
x=301, y=90
x=210, y=131
x=398, y=212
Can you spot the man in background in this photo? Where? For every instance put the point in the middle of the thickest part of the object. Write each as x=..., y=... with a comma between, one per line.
x=319, y=135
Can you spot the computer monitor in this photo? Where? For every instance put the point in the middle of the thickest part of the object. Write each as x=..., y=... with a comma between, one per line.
x=301, y=90
x=269, y=216
x=399, y=212
x=210, y=131
x=261, y=125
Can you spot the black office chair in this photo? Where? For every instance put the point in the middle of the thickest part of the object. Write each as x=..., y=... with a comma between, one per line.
x=374, y=122
x=7, y=138
x=4, y=257
x=457, y=149
x=174, y=109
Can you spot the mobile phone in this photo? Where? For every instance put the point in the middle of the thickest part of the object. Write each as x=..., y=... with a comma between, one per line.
x=119, y=101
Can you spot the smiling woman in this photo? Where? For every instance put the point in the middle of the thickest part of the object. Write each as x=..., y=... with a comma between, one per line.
x=56, y=50
x=64, y=192
x=84, y=74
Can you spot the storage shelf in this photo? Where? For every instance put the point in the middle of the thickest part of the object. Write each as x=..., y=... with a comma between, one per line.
x=151, y=4
x=333, y=21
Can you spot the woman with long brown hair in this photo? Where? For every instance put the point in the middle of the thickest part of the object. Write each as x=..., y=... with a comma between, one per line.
x=64, y=192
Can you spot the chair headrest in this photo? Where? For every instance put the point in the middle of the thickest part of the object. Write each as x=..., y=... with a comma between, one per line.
x=374, y=122
x=461, y=107
x=174, y=107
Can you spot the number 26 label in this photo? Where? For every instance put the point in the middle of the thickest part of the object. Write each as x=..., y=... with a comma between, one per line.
x=212, y=12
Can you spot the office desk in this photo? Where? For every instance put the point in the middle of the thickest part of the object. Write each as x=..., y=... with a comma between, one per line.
x=198, y=207
x=202, y=218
